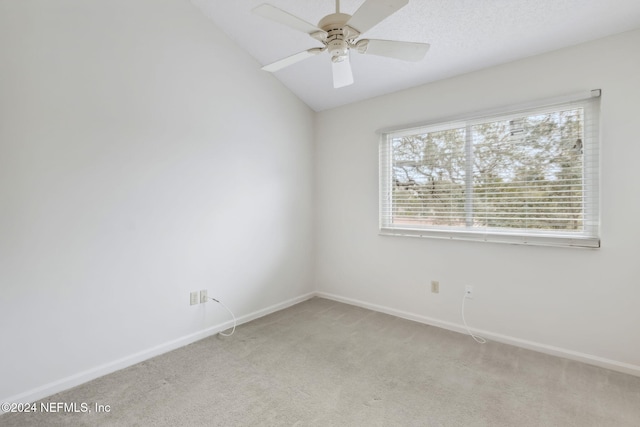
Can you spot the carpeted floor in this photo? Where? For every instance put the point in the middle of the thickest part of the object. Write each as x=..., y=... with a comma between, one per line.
x=323, y=363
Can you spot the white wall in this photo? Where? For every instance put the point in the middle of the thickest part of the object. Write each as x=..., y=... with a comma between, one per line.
x=581, y=303
x=142, y=156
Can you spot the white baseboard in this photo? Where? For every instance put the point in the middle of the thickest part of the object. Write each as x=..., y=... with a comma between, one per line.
x=602, y=362
x=272, y=309
x=116, y=365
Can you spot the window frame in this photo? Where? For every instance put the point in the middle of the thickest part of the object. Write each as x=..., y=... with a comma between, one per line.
x=589, y=237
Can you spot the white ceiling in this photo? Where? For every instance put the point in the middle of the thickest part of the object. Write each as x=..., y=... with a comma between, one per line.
x=465, y=35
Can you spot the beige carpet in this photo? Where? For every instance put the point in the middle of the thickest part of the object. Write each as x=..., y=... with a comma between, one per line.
x=323, y=363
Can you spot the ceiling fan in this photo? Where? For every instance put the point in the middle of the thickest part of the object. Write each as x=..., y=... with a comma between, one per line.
x=338, y=33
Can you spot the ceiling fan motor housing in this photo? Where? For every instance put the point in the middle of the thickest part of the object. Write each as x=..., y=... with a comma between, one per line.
x=337, y=41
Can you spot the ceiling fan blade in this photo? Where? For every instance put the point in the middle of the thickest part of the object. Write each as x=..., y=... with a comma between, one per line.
x=290, y=60
x=285, y=18
x=342, y=75
x=407, y=51
x=374, y=11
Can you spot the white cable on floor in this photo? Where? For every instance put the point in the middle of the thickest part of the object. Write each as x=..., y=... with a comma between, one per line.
x=231, y=313
x=478, y=338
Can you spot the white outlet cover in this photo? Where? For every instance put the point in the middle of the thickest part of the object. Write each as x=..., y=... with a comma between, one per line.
x=468, y=291
x=203, y=296
x=194, y=298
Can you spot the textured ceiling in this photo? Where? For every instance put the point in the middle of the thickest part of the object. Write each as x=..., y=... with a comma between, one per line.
x=465, y=35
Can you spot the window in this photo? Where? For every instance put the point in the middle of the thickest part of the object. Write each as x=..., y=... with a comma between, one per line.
x=528, y=175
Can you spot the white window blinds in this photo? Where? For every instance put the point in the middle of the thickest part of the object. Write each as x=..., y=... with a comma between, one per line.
x=525, y=176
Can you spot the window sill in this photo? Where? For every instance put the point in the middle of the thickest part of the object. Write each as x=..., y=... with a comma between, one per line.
x=535, y=239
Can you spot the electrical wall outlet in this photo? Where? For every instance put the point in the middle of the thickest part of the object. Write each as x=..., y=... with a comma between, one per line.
x=435, y=286
x=203, y=296
x=194, y=298
x=468, y=291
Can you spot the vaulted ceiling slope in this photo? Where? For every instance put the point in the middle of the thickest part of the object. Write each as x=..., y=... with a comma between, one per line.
x=465, y=35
